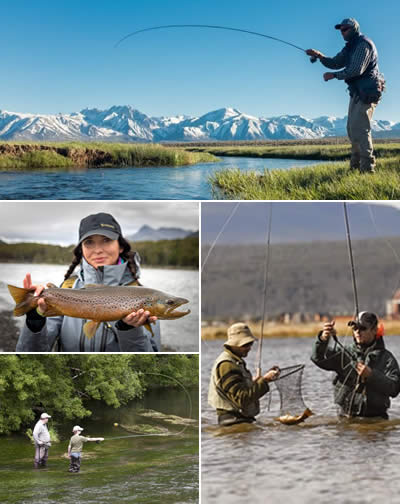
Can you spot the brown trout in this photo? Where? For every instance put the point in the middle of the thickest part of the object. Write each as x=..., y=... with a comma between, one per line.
x=99, y=303
x=294, y=419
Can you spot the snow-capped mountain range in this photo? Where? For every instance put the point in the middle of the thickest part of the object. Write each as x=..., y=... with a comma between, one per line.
x=126, y=124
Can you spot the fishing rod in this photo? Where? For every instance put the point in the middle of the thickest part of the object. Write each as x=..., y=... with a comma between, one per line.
x=350, y=250
x=266, y=270
x=215, y=27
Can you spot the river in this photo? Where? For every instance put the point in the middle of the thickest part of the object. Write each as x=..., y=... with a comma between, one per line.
x=318, y=461
x=130, y=183
x=141, y=470
x=181, y=335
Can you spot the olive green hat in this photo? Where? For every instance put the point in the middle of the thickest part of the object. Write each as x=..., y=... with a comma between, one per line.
x=239, y=334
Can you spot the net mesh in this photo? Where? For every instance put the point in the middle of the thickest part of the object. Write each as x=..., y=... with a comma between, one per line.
x=289, y=388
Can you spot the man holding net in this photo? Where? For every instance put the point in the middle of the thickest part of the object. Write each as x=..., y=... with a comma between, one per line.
x=233, y=392
x=367, y=374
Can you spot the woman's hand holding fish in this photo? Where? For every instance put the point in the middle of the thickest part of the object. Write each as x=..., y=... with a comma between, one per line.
x=272, y=374
x=139, y=318
x=41, y=305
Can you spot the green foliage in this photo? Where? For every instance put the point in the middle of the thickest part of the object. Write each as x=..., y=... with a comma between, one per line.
x=62, y=385
x=177, y=253
x=322, y=182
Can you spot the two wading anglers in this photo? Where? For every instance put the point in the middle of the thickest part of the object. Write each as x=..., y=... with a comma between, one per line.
x=359, y=63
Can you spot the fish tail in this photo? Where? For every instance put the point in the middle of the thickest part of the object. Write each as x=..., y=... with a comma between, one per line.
x=24, y=300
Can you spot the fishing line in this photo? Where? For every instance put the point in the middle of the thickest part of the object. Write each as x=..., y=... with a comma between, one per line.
x=163, y=434
x=264, y=304
x=219, y=234
x=216, y=27
x=387, y=241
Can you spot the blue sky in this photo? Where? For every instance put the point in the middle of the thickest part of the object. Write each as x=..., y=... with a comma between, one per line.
x=60, y=56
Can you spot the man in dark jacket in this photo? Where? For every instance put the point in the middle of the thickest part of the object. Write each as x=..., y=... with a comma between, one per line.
x=359, y=61
x=233, y=391
x=367, y=374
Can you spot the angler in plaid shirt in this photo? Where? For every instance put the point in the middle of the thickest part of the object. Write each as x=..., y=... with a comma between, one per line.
x=359, y=61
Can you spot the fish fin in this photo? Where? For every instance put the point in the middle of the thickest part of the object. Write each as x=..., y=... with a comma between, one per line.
x=90, y=328
x=149, y=328
x=24, y=299
x=51, y=286
x=134, y=283
x=93, y=286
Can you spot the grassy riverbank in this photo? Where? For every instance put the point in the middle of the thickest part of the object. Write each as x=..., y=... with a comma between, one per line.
x=300, y=150
x=33, y=155
x=304, y=330
x=320, y=182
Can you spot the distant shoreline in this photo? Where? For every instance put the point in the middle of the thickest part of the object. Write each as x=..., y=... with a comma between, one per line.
x=303, y=330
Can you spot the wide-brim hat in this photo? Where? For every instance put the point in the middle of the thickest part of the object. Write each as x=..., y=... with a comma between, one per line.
x=102, y=223
x=239, y=334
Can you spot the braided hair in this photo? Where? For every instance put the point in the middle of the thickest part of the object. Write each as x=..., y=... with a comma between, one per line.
x=127, y=254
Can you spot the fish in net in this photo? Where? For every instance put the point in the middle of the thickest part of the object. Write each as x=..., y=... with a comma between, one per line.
x=293, y=409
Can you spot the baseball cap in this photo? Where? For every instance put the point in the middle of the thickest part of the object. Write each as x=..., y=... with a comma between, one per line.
x=102, y=223
x=366, y=319
x=44, y=415
x=239, y=334
x=348, y=22
x=77, y=428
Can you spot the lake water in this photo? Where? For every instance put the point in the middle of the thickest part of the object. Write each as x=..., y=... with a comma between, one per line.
x=318, y=461
x=141, y=470
x=130, y=183
x=181, y=335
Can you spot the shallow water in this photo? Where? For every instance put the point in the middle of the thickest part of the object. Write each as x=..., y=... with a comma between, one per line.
x=181, y=335
x=318, y=461
x=133, y=469
x=130, y=183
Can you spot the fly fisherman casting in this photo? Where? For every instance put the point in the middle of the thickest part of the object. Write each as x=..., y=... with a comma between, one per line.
x=359, y=63
x=367, y=374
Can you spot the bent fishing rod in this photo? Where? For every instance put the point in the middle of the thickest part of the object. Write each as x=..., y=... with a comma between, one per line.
x=313, y=59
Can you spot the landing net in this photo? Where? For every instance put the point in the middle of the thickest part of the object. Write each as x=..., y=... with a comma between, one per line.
x=289, y=388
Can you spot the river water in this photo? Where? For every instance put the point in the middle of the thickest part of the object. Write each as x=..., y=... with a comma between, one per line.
x=142, y=470
x=318, y=461
x=181, y=335
x=130, y=183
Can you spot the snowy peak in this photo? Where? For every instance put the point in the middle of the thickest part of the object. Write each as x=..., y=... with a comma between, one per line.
x=124, y=123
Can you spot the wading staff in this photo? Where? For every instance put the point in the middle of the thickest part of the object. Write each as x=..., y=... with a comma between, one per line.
x=215, y=27
x=353, y=275
x=263, y=309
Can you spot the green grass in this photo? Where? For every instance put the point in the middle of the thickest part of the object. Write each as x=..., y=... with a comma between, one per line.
x=33, y=155
x=330, y=182
x=329, y=152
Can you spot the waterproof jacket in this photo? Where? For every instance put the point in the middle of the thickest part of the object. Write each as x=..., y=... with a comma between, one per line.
x=355, y=397
x=66, y=333
x=232, y=389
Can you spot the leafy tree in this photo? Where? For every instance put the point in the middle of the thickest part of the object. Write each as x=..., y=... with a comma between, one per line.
x=62, y=385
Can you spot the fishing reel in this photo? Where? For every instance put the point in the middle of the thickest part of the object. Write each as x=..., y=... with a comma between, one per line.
x=313, y=59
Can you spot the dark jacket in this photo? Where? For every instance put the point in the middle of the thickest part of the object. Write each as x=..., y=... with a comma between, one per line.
x=356, y=398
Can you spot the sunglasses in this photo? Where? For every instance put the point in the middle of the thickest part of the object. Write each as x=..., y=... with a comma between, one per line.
x=344, y=30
